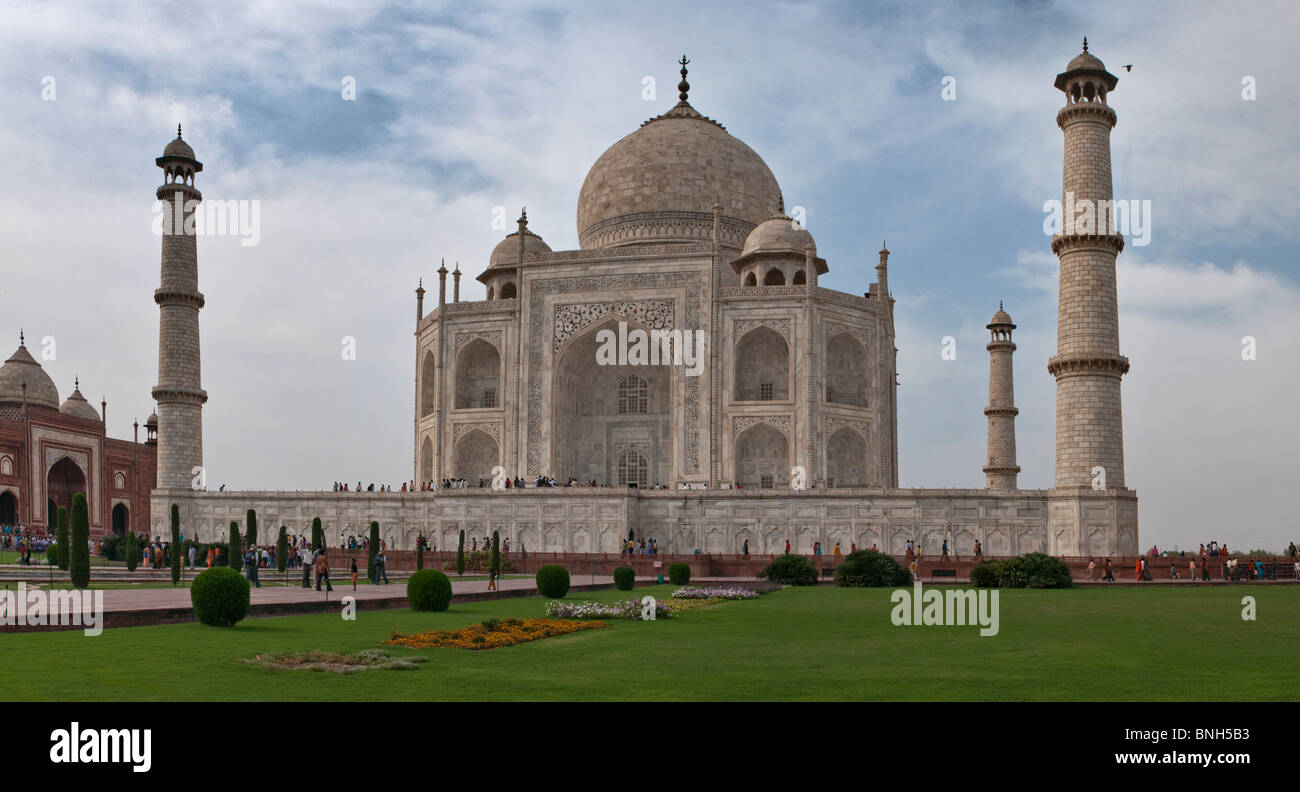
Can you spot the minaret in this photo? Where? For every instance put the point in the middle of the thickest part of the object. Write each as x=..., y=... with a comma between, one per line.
x=179, y=392
x=1087, y=364
x=419, y=302
x=1002, y=468
x=442, y=283
x=455, y=283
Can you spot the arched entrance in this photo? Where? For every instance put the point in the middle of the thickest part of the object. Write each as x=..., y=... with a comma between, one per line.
x=8, y=508
x=762, y=458
x=475, y=456
x=63, y=481
x=603, y=411
x=121, y=519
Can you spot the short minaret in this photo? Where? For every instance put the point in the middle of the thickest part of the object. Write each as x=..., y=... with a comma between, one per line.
x=1087, y=364
x=419, y=302
x=179, y=392
x=442, y=284
x=882, y=272
x=455, y=283
x=1002, y=469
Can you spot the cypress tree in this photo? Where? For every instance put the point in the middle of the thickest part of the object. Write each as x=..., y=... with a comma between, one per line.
x=460, y=554
x=317, y=534
x=132, y=552
x=252, y=528
x=176, y=544
x=282, y=549
x=372, y=549
x=63, y=538
x=495, y=567
x=79, y=561
x=235, y=557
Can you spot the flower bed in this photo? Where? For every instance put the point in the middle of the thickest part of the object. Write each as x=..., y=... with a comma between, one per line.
x=491, y=634
x=365, y=660
x=715, y=592
x=586, y=609
x=683, y=605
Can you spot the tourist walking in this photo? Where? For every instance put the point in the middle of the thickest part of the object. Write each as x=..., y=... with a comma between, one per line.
x=1110, y=573
x=353, y=573
x=308, y=557
x=1092, y=568
x=323, y=570
x=381, y=566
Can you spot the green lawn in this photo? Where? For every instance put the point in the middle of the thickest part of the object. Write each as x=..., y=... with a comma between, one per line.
x=1082, y=644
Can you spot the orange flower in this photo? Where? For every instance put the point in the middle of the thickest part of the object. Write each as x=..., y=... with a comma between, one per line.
x=491, y=634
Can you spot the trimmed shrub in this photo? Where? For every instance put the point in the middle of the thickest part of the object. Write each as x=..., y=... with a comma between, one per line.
x=79, y=560
x=235, y=550
x=428, y=590
x=624, y=578
x=176, y=544
x=791, y=570
x=317, y=533
x=869, y=569
x=372, y=550
x=679, y=573
x=220, y=597
x=1044, y=571
x=251, y=535
x=986, y=574
x=64, y=540
x=553, y=581
x=460, y=554
x=282, y=549
x=132, y=552
x=1013, y=573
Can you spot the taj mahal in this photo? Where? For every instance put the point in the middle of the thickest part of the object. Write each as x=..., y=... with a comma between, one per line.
x=786, y=429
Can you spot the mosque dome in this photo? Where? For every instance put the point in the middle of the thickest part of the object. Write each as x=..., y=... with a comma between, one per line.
x=21, y=368
x=152, y=420
x=659, y=184
x=506, y=253
x=778, y=235
x=1000, y=318
x=77, y=406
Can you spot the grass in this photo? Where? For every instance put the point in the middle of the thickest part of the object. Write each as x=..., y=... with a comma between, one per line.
x=1085, y=644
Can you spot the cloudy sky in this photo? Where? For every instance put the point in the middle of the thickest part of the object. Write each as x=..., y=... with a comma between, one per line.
x=465, y=107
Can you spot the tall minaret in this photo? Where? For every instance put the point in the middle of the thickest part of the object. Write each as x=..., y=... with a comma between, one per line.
x=1002, y=468
x=1087, y=364
x=179, y=392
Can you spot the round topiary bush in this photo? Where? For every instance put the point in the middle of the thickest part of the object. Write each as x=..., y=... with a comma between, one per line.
x=553, y=581
x=220, y=597
x=679, y=573
x=624, y=577
x=428, y=590
x=1044, y=571
x=986, y=574
x=791, y=570
x=869, y=569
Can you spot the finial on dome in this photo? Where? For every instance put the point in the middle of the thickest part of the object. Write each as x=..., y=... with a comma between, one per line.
x=178, y=131
x=1085, y=43
x=999, y=305
x=76, y=382
x=22, y=340
x=457, y=270
x=683, y=87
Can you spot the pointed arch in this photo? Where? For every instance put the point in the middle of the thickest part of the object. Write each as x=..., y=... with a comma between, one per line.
x=478, y=375
x=762, y=370
x=847, y=378
x=428, y=385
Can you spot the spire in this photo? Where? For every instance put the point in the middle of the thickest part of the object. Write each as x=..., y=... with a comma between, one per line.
x=22, y=340
x=178, y=129
x=1085, y=43
x=76, y=382
x=683, y=86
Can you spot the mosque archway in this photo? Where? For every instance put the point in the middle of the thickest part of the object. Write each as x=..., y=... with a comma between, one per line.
x=762, y=458
x=603, y=411
x=426, y=461
x=475, y=456
x=63, y=481
x=428, y=385
x=8, y=508
x=121, y=519
x=478, y=376
x=846, y=371
x=846, y=459
x=762, y=366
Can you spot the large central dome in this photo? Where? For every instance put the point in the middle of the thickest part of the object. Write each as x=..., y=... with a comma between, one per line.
x=659, y=185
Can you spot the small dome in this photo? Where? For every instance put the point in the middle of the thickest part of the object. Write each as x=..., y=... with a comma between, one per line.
x=178, y=148
x=778, y=235
x=1086, y=60
x=21, y=368
x=77, y=406
x=506, y=253
x=1000, y=318
x=152, y=420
